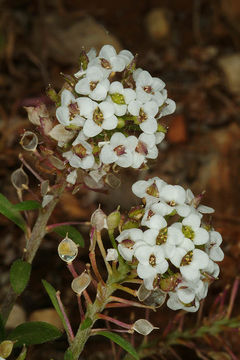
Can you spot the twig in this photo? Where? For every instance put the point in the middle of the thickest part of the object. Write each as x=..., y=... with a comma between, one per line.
x=70, y=332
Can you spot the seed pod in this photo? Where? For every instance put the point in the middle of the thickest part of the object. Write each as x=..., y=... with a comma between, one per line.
x=143, y=327
x=143, y=293
x=80, y=283
x=113, y=181
x=44, y=187
x=67, y=250
x=156, y=298
x=56, y=162
x=19, y=179
x=6, y=348
x=29, y=141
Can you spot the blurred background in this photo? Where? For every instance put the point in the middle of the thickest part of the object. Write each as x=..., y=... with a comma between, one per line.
x=193, y=46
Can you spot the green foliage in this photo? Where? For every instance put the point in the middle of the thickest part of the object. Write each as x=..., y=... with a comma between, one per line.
x=7, y=209
x=27, y=205
x=72, y=232
x=32, y=333
x=68, y=355
x=121, y=342
x=86, y=324
x=19, y=275
x=23, y=354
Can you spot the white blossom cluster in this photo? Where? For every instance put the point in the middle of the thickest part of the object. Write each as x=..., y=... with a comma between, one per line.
x=179, y=258
x=111, y=114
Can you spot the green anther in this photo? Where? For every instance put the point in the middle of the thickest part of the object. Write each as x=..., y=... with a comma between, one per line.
x=188, y=232
x=98, y=116
x=162, y=236
x=118, y=98
x=186, y=260
x=161, y=128
x=152, y=190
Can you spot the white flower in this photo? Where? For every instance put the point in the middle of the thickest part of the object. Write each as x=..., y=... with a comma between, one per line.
x=151, y=262
x=168, y=108
x=149, y=189
x=212, y=269
x=145, y=149
x=91, y=56
x=159, y=136
x=113, y=61
x=127, y=242
x=72, y=110
x=120, y=97
x=153, y=220
x=94, y=84
x=126, y=55
x=81, y=154
x=102, y=118
x=147, y=87
x=175, y=304
x=192, y=263
x=72, y=177
x=145, y=115
x=192, y=230
x=213, y=246
x=112, y=255
x=194, y=203
x=119, y=150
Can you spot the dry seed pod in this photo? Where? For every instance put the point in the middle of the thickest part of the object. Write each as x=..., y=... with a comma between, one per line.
x=156, y=298
x=56, y=162
x=80, y=283
x=113, y=181
x=143, y=293
x=19, y=179
x=143, y=327
x=29, y=141
x=67, y=250
x=44, y=187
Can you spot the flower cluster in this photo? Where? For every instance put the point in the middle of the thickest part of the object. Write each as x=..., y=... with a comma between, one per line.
x=172, y=248
x=110, y=114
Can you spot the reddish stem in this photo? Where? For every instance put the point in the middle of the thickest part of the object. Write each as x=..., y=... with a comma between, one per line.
x=232, y=297
x=115, y=321
x=69, y=328
x=53, y=226
x=82, y=315
x=72, y=270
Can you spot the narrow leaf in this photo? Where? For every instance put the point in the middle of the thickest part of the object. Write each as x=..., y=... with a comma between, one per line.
x=68, y=355
x=19, y=275
x=23, y=354
x=121, y=342
x=27, y=205
x=72, y=232
x=86, y=324
x=34, y=332
x=52, y=294
x=7, y=209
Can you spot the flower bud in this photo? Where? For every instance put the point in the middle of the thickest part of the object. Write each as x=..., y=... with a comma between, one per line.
x=143, y=327
x=67, y=250
x=6, y=348
x=29, y=141
x=52, y=94
x=113, y=220
x=80, y=283
x=83, y=60
x=130, y=224
x=36, y=112
x=98, y=220
x=19, y=179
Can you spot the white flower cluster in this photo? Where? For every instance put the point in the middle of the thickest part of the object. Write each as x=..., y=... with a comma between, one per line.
x=179, y=258
x=112, y=113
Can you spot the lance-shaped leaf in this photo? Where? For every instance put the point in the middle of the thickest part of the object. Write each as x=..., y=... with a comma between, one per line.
x=120, y=341
x=27, y=205
x=34, y=332
x=19, y=275
x=72, y=232
x=7, y=209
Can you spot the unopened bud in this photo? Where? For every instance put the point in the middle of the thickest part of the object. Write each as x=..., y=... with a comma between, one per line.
x=113, y=220
x=130, y=224
x=98, y=220
x=80, y=283
x=19, y=179
x=52, y=94
x=67, y=250
x=169, y=283
x=121, y=123
x=143, y=327
x=29, y=141
x=112, y=255
x=6, y=348
x=83, y=60
x=136, y=212
x=36, y=112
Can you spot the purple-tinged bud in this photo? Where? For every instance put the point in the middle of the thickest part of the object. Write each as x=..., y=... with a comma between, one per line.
x=36, y=112
x=170, y=283
x=29, y=141
x=52, y=94
x=143, y=327
x=99, y=220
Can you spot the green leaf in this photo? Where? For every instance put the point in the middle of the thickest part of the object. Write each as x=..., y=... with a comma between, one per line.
x=72, y=232
x=52, y=294
x=23, y=354
x=121, y=342
x=68, y=355
x=7, y=209
x=2, y=329
x=34, y=332
x=19, y=275
x=86, y=324
x=27, y=205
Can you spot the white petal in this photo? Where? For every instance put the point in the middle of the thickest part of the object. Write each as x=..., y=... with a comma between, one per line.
x=110, y=122
x=82, y=87
x=67, y=97
x=149, y=126
x=107, y=155
x=200, y=236
x=91, y=129
x=62, y=114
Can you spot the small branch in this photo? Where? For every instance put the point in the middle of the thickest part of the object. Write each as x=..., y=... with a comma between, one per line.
x=70, y=332
x=53, y=226
x=126, y=289
x=87, y=297
x=232, y=297
x=82, y=315
x=72, y=270
x=130, y=303
x=21, y=158
x=95, y=331
x=92, y=258
x=115, y=321
x=103, y=252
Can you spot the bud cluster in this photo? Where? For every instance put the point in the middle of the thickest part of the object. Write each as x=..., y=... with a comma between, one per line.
x=171, y=246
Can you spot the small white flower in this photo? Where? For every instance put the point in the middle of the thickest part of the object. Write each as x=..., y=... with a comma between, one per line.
x=192, y=263
x=149, y=189
x=194, y=203
x=168, y=108
x=114, y=62
x=127, y=242
x=159, y=136
x=145, y=114
x=153, y=220
x=126, y=55
x=112, y=255
x=120, y=97
x=147, y=87
x=94, y=84
x=175, y=304
x=72, y=177
x=145, y=149
x=213, y=246
x=192, y=230
x=81, y=154
x=102, y=118
x=212, y=269
x=119, y=150
x=60, y=134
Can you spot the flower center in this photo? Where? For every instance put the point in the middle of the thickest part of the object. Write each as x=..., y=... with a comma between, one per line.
x=152, y=190
x=148, y=89
x=162, y=236
x=118, y=98
x=120, y=150
x=172, y=203
x=187, y=259
x=141, y=148
x=105, y=63
x=128, y=243
x=150, y=214
x=98, y=116
x=80, y=151
x=152, y=260
x=93, y=85
x=142, y=116
x=188, y=232
x=73, y=110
